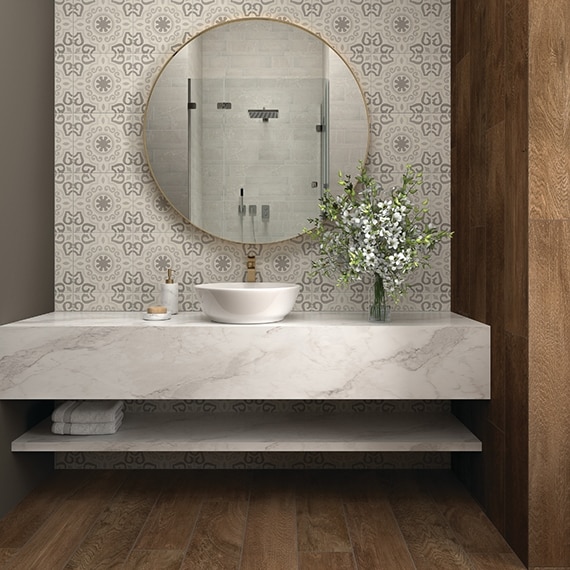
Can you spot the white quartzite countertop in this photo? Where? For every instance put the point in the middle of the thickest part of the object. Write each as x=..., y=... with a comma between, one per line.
x=306, y=356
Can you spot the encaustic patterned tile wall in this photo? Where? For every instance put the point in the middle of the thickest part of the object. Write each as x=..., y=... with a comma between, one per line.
x=116, y=235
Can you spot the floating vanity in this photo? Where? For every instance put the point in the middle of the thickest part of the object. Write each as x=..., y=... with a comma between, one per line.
x=312, y=356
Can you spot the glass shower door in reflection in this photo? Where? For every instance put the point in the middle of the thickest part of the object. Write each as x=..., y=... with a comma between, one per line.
x=268, y=137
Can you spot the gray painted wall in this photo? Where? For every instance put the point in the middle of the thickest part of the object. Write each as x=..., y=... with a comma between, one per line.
x=26, y=210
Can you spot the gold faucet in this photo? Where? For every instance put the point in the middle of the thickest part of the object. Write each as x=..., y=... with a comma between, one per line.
x=250, y=274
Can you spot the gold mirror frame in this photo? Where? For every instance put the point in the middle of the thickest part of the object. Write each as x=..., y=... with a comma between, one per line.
x=238, y=208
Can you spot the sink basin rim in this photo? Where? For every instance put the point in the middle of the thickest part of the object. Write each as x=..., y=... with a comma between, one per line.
x=247, y=303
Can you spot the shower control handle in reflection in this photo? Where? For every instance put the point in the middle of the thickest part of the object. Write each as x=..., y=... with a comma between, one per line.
x=241, y=207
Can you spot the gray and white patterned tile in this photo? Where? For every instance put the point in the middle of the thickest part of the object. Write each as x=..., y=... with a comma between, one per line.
x=281, y=262
x=400, y=144
x=163, y=25
x=220, y=261
x=103, y=143
x=405, y=83
x=121, y=269
x=64, y=77
x=214, y=12
x=106, y=205
x=227, y=460
x=342, y=25
x=63, y=21
x=64, y=254
x=102, y=24
x=287, y=406
x=153, y=255
x=103, y=84
x=99, y=258
x=63, y=204
x=439, y=129
x=64, y=139
x=417, y=24
x=285, y=11
x=154, y=207
x=144, y=75
x=137, y=57
x=132, y=127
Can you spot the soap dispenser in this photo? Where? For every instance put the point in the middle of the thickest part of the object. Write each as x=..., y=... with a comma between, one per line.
x=169, y=294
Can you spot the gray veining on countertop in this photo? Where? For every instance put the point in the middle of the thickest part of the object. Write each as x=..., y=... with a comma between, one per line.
x=306, y=356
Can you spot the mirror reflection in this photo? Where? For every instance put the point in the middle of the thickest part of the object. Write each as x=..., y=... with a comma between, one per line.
x=247, y=123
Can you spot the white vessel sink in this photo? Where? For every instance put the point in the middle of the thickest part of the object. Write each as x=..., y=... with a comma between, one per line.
x=247, y=303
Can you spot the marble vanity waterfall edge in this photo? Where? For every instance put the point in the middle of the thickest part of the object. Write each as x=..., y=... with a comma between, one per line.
x=327, y=356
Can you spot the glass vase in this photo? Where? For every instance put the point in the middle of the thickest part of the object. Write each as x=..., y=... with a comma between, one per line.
x=379, y=309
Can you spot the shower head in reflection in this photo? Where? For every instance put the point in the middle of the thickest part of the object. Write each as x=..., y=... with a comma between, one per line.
x=264, y=114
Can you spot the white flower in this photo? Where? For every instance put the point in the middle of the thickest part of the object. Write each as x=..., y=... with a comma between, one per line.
x=362, y=233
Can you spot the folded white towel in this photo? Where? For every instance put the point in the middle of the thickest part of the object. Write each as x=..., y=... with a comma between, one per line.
x=101, y=428
x=88, y=411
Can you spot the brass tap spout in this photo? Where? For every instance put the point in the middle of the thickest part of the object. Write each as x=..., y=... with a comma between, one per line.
x=250, y=273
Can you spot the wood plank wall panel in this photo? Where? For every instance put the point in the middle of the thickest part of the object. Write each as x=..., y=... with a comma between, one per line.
x=549, y=109
x=490, y=246
x=550, y=393
x=516, y=276
x=511, y=259
x=516, y=167
x=549, y=325
x=516, y=448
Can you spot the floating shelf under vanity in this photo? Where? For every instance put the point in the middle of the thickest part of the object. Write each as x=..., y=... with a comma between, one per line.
x=265, y=432
x=310, y=356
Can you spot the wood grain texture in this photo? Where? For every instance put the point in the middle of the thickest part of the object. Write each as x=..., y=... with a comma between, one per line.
x=264, y=559
x=460, y=18
x=217, y=540
x=65, y=529
x=516, y=169
x=495, y=477
x=321, y=525
x=374, y=532
x=493, y=34
x=96, y=526
x=173, y=517
x=475, y=211
x=431, y=542
x=497, y=561
x=230, y=485
x=495, y=204
x=154, y=560
x=112, y=536
x=376, y=536
x=7, y=554
x=474, y=531
x=18, y=526
x=549, y=393
x=490, y=247
x=517, y=434
x=271, y=530
x=549, y=109
x=478, y=280
x=326, y=561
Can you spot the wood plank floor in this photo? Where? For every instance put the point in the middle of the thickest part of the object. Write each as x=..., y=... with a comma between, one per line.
x=252, y=520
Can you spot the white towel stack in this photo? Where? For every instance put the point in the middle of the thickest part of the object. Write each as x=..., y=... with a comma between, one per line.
x=87, y=417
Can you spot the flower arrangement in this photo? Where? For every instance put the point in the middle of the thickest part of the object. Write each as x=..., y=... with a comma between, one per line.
x=362, y=233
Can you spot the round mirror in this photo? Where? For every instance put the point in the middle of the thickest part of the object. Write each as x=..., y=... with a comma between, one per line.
x=247, y=123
